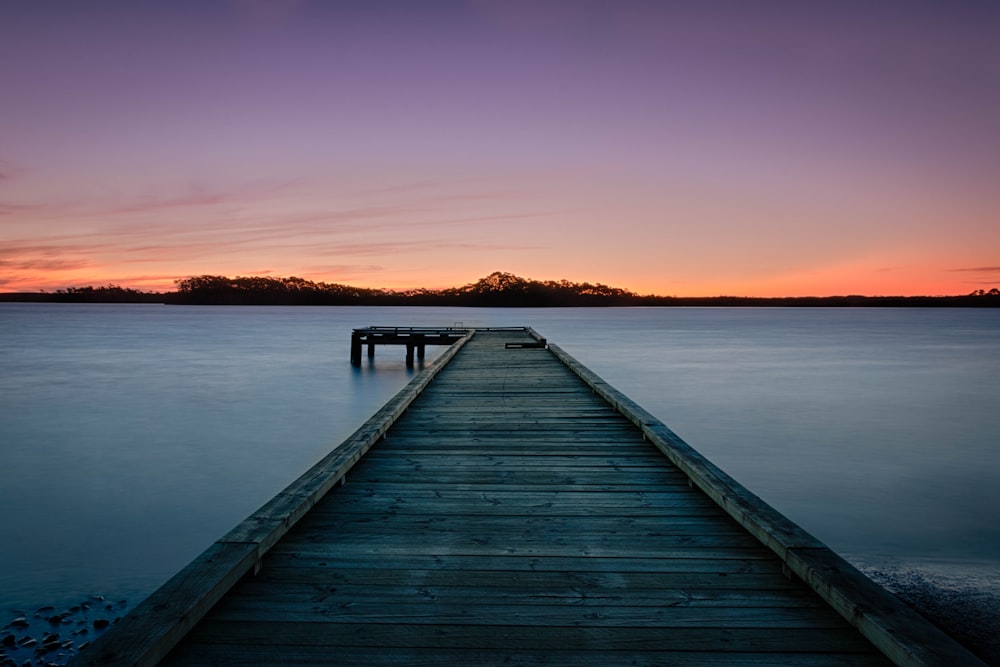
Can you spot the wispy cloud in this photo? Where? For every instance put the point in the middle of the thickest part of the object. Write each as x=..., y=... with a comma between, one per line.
x=55, y=246
x=9, y=170
x=980, y=275
x=287, y=227
x=45, y=264
x=978, y=269
x=392, y=247
x=201, y=195
x=342, y=270
x=13, y=209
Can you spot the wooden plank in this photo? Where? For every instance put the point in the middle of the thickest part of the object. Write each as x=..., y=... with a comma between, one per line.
x=434, y=612
x=620, y=486
x=622, y=587
x=500, y=525
x=522, y=448
x=402, y=508
x=306, y=599
x=549, y=478
x=331, y=565
x=423, y=501
x=504, y=638
x=519, y=461
x=366, y=656
x=465, y=470
x=462, y=494
x=525, y=548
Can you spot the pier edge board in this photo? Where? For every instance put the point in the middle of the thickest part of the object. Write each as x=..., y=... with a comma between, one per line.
x=898, y=631
x=153, y=628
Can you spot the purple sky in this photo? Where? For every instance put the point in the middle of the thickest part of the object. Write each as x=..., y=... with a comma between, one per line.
x=695, y=149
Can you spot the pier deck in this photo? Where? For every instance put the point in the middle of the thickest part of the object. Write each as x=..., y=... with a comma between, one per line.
x=520, y=511
x=414, y=338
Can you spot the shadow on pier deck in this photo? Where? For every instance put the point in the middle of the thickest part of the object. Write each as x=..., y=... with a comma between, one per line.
x=510, y=507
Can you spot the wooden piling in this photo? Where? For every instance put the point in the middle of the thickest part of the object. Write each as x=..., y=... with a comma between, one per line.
x=415, y=339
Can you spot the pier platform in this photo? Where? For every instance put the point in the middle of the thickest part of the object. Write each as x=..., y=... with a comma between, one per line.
x=510, y=507
x=416, y=339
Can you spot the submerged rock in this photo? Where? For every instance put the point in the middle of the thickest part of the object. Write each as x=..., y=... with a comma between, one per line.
x=34, y=639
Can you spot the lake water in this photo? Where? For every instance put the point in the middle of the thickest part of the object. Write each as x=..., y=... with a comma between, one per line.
x=133, y=436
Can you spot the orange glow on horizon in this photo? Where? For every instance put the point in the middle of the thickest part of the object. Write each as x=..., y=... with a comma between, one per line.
x=831, y=283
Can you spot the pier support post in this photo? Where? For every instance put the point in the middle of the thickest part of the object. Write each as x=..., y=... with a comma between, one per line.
x=371, y=350
x=409, y=355
x=356, y=350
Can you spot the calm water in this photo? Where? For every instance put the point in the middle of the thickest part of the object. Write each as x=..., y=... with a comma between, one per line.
x=134, y=436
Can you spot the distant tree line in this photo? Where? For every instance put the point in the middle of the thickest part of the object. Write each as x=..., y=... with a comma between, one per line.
x=501, y=289
x=495, y=290
x=105, y=294
x=264, y=291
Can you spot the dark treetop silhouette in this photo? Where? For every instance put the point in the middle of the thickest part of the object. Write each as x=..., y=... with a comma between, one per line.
x=498, y=289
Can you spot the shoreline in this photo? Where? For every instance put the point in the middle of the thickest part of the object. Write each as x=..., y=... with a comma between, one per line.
x=965, y=605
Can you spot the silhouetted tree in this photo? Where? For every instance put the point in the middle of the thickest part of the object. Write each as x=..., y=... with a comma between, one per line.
x=498, y=289
x=105, y=294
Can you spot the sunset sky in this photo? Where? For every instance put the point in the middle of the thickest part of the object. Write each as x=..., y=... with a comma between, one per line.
x=678, y=148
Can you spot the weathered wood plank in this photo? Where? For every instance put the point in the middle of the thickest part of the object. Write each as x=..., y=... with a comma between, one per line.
x=460, y=498
x=594, y=489
x=486, y=458
x=503, y=638
x=634, y=570
x=509, y=614
x=550, y=478
x=501, y=526
x=229, y=654
x=538, y=588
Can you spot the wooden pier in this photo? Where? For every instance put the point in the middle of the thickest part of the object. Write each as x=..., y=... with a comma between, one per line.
x=416, y=339
x=509, y=507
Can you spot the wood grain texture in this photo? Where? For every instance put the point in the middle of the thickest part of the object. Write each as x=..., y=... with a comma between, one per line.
x=518, y=510
x=512, y=514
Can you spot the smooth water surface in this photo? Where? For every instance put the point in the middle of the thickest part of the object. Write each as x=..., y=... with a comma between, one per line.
x=132, y=436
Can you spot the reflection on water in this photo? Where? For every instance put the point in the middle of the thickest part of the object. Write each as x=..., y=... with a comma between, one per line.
x=134, y=436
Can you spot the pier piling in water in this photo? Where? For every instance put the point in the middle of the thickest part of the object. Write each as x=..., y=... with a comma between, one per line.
x=415, y=339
